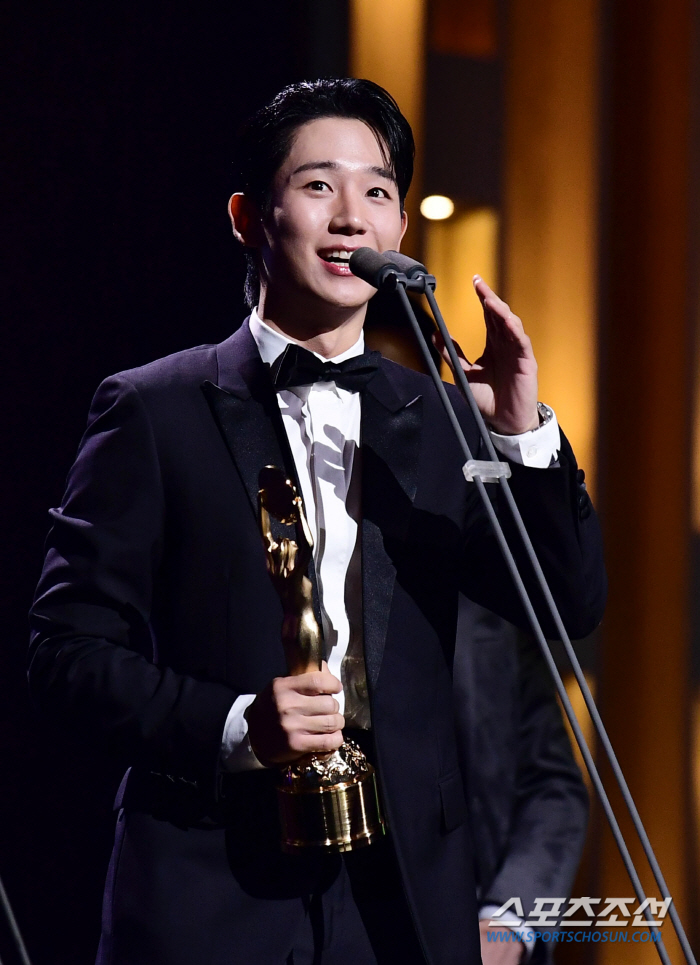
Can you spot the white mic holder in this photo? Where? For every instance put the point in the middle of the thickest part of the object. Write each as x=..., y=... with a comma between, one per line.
x=485, y=470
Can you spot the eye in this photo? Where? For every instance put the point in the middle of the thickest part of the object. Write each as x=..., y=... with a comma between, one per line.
x=378, y=193
x=318, y=186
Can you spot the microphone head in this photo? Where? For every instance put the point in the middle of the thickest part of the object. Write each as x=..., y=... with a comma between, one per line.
x=371, y=266
x=409, y=266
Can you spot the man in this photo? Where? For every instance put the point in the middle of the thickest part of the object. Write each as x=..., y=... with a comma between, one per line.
x=157, y=629
x=527, y=802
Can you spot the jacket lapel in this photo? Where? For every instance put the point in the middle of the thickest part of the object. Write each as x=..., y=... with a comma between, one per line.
x=246, y=411
x=245, y=408
x=392, y=417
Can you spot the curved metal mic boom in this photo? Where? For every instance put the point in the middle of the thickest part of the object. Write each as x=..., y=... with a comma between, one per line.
x=397, y=272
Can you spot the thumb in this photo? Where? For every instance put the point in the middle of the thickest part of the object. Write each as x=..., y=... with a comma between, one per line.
x=324, y=669
x=439, y=343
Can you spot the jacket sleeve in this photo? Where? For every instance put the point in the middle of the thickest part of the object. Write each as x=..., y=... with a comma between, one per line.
x=92, y=665
x=560, y=519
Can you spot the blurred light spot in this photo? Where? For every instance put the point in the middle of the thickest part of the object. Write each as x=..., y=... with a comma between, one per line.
x=436, y=207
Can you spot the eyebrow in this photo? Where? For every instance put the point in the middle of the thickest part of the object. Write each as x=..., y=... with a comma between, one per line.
x=334, y=166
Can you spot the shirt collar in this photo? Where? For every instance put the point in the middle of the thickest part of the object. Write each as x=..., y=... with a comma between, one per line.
x=271, y=344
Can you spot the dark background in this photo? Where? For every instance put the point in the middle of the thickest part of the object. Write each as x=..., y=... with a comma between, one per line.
x=121, y=127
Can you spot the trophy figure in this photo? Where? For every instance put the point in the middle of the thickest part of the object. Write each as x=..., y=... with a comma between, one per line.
x=326, y=801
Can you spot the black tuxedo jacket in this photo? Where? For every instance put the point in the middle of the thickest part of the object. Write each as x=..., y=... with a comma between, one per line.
x=155, y=611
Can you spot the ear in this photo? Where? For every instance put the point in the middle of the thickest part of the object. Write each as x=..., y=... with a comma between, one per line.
x=246, y=220
x=404, y=225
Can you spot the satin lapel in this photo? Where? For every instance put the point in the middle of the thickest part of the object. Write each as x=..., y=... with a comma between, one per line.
x=246, y=411
x=245, y=408
x=391, y=432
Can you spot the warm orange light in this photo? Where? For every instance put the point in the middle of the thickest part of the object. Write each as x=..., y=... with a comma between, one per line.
x=581, y=712
x=455, y=251
x=387, y=45
x=550, y=208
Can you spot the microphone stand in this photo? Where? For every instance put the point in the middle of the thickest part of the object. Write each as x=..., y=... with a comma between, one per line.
x=20, y=947
x=401, y=274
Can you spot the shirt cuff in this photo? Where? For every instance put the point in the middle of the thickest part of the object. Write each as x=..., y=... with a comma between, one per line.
x=236, y=753
x=526, y=935
x=537, y=448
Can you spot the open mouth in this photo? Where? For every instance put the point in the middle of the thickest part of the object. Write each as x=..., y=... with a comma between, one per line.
x=336, y=257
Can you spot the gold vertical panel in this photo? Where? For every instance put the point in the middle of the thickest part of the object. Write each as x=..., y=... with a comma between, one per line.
x=551, y=201
x=647, y=405
x=582, y=716
x=387, y=46
x=456, y=250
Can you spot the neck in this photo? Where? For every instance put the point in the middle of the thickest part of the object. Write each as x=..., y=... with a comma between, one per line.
x=329, y=331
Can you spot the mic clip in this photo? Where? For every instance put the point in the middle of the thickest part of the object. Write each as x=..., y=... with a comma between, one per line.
x=390, y=270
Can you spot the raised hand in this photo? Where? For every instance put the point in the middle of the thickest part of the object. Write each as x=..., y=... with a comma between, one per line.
x=504, y=378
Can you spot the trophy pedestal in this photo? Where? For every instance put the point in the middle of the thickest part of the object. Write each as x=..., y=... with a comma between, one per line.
x=330, y=802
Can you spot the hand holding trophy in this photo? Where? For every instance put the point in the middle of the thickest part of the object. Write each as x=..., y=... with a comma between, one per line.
x=326, y=801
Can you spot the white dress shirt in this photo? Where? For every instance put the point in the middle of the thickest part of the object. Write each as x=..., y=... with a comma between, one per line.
x=322, y=422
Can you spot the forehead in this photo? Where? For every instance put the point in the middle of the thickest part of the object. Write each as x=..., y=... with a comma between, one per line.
x=344, y=141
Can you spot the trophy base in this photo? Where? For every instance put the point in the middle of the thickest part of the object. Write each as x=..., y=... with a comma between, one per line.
x=334, y=817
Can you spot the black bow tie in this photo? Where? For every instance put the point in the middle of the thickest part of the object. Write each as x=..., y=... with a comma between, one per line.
x=297, y=366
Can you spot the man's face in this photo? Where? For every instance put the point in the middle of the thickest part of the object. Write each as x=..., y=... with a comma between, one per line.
x=331, y=196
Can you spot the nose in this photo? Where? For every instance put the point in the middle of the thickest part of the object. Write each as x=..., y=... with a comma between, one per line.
x=347, y=218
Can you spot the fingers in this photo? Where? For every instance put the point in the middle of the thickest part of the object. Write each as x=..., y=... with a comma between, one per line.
x=488, y=295
x=316, y=682
x=322, y=723
x=296, y=715
x=308, y=713
x=300, y=743
x=289, y=699
x=310, y=724
x=500, y=320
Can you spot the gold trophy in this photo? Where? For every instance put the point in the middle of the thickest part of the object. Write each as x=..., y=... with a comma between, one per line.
x=326, y=801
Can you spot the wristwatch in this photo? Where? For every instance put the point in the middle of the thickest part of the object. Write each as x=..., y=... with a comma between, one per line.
x=545, y=413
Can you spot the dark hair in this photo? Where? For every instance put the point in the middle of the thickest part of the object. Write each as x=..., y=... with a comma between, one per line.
x=267, y=137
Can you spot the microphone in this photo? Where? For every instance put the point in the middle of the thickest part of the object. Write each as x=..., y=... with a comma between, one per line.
x=409, y=266
x=390, y=269
x=373, y=267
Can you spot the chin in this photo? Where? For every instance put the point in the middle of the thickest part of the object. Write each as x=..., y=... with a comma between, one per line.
x=351, y=296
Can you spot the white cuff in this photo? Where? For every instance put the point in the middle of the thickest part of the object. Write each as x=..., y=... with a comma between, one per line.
x=236, y=752
x=526, y=935
x=536, y=448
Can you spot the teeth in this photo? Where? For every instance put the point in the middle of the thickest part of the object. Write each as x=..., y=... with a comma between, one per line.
x=337, y=255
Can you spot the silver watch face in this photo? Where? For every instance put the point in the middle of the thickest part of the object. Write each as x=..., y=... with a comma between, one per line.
x=545, y=413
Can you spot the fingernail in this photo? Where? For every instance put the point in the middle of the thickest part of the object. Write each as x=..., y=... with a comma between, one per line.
x=476, y=278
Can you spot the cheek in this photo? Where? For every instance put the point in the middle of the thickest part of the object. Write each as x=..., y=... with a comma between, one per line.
x=292, y=238
x=388, y=230
x=298, y=221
